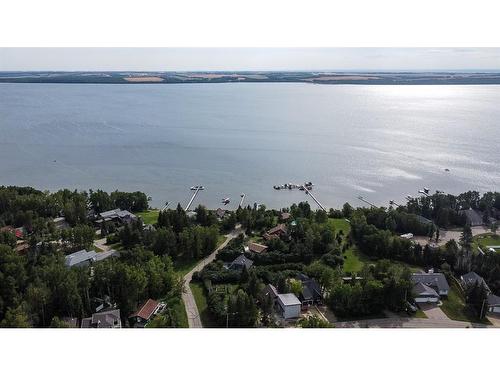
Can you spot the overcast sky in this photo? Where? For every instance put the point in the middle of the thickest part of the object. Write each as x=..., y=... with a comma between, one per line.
x=165, y=59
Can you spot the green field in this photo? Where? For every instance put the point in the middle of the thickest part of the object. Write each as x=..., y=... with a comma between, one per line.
x=149, y=217
x=354, y=260
x=201, y=302
x=485, y=240
x=340, y=224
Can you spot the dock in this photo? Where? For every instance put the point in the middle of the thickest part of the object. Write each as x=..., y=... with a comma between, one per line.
x=196, y=191
x=364, y=200
x=308, y=192
x=242, y=199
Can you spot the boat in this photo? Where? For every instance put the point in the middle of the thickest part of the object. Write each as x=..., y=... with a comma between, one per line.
x=446, y=170
x=409, y=197
x=225, y=201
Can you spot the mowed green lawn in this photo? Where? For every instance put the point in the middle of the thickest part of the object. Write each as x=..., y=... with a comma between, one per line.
x=485, y=240
x=149, y=217
x=201, y=302
x=354, y=260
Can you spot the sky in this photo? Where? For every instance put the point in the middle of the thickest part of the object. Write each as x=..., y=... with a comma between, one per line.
x=210, y=59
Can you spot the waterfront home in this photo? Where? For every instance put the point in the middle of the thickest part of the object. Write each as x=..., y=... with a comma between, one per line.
x=240, y=263
x=276, y=232
x=471, y=278
x=220, y=213
x=473, y=217
x=117, y=216
x=80, y=258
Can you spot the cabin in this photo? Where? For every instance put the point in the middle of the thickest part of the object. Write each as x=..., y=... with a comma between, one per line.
x=240, y=263
x=256, y=248
x=278, y=231
x=146, y=312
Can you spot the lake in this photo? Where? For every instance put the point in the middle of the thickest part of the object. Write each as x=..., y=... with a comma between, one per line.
x=381, y=142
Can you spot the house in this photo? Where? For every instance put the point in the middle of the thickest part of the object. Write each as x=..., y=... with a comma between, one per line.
x=424, y=293
x=103, y=319
x=276, y=232
x=272, y=291
x=18, y=232
x=471, y=278
x=22, y=247
x=423, y=282
x=145, y=313
x=493, y=303
x=284, y=216
x=473, y=217
x=423, y=220
x=80, y=258
x=117, y=216
x=220, y=213
x=256, y=248
x=311, y=291
x=61, y=223
x=105, y=255
x=240, y=263
x=289, y=305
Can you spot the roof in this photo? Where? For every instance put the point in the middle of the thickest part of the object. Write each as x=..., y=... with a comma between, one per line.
x=71, y=322
x=257, y=247
x=473, y=217
x=437, y=280
x=117, y=213
x=277, y=229
x=421, y=289
x=285, y=216
x=242, y=261
x=288, y=299
x=146, y=310
x=220, y=212
x=423, y=220
x=270, y=289
x=493, y=300
x=105, y=254
x=471, y=278
x=310, y=287
x=105, y=319
x=79, y=257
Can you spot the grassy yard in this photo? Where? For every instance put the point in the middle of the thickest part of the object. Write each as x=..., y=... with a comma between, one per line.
x=179, y=311
x=454, y=307
x=420, y=314
x=484, y=240
x=341, y=224
x=182, y=267
x=354, y=260
x=149, y=217
x=201, y=302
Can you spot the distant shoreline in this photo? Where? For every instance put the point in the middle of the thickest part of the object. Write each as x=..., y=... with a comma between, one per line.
x=323, y=78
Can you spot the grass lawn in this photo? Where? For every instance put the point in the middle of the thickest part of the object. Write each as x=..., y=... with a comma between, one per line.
x=340, y=224
x=149, y=217
x=420, y=314
x=201, y=302
x=484, y=240
x=220, y=240
x=354, y=260
x=182, y=266
x=180, y=312
x=454, y=307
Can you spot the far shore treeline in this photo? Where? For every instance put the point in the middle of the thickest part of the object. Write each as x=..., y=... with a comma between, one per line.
x=156, y=248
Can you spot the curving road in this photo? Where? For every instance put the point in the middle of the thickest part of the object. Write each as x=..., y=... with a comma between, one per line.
x=187, y=295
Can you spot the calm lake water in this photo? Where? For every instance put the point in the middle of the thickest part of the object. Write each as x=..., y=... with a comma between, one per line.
x=381, y=142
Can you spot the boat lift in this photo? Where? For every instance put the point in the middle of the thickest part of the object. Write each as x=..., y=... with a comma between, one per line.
x=364, y=200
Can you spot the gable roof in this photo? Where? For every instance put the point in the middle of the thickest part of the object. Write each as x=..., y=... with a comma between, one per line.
x=437, y=280
x=471, y=278
x=473, y=217
x=105, y=319
x=146, y=310
x=220, y=212
x=285, y=216
x=79, y=257
x=257, y=247
x=310, y=287
x=421, y=289
x=106, y=254
x=242, y=261
x=271, y=290
x=288, y=299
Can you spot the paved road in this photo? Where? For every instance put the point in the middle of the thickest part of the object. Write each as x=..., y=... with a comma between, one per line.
x=187, y=295
x=407, y=323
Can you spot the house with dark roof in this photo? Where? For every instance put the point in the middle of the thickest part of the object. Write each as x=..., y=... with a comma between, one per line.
x=311, y=291
x=103, y=319
x=471, y=278
x=424, y=282
x=276, y=232
x=240, y=263
x=147, y=311
x=117, y=216
x=473, y=217
x=256, y=248
x=493, y=303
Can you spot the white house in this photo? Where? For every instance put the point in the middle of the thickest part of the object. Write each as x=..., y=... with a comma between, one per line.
x=289, y=305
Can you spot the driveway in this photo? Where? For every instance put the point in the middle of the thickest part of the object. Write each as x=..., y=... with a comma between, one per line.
x=446, y=235
x=187, y=295
x=432, y=311
x=101, y=244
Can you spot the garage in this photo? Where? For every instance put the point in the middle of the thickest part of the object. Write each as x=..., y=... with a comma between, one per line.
x=425, y=294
